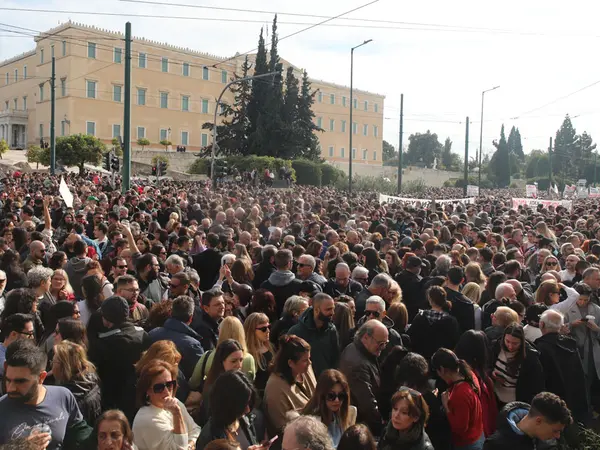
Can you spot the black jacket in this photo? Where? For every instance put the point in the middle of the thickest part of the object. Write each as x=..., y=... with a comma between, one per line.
x=324, y=344
x=282, y=285
x=531, y=374
x=413, y=294
x=429, y=331
x=463, y=309
x=281, y=327
x=211, y=432
x=387, y=441
x=262, y=272
x=208, y=264
x=563, y=372
x=87, y=393
x=353, y=289
x=114, y=353
x=206, y=327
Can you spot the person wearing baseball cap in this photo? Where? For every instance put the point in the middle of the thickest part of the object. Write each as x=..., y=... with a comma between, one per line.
x=411, y=283
x=115, y=352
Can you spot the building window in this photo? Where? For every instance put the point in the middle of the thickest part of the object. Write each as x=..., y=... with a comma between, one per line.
x=331, y=125
x=185, y=68
x=41, y=130
x=375, y=131
x=163, y=134
x=117, y=92
x=24, y=72
x=184, y=138
x=64, y=48
x=41, y=56
x=354, y=128
x=185, y=103
x=63, y=87
x=355, y=103
x=118, y=55
x=91, y=89
x=344, y=101
x=224, y=76
x=332, y=99
x=353, y=153
x=204, y=139
x=343, y=126
x=204, y=106
x=165, y=64
x=366, y=106
x=116, y=132
x=141, y=60
x=16, y=75
x=331, y=152
x=41, y=93
x=16, y=103
x=52, y=51
x=141, y=97
x=62, y=127
x=90, y=128
x=343, y=152
x=320, y=122
x=25, y=103
x=365, y=154
x=365, y=130
x=205, y=75
x=141, y=132
x=164, y=100
x=374, y=155
x=320, y=97
x=91, y=51
x=375, y=107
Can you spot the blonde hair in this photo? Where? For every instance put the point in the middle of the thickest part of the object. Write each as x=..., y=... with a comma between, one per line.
x=68, y=286
x=505, y=316
x=474, y=271
x=232, y=328
x=472, y=291
x=72, y=361
x=254, y=345
x=396, y=291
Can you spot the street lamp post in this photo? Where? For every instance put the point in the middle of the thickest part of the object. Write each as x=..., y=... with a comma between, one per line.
x=481, y=135
x=351, y=108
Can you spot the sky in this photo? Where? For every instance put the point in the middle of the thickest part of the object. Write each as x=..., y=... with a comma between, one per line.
x=441, y=55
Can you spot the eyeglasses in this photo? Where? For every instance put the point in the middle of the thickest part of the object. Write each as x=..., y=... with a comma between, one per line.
x=380, y=344
x=122, y=267
x=332, y=396
x=551, y=263
x=131, y=289
x=264, y=328
x=303, y=265
x=375, y=314
x=160, y=387
x=76, y=312
x=29, y=334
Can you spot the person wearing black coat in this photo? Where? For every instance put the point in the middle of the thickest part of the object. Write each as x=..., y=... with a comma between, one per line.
x=411, y=283
x=282, y=283
x=207, y=318
x=88, y=396
x=208, y=263
x=563, y=370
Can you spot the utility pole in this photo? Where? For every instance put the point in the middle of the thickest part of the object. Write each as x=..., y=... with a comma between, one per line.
x=126, y=182
x=595, y=163
x=53, y=118
x=466, y=159
x=400, y=144
x=550, y=162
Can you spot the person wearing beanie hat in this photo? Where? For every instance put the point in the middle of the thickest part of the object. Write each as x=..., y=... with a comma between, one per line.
x=115, y=352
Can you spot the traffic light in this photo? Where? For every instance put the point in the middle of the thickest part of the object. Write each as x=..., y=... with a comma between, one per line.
x=107, y=161
x=163, y=168
x=154, y=171
x=114, y=163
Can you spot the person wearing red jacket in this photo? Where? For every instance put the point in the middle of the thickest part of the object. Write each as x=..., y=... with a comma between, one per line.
x=461, y=401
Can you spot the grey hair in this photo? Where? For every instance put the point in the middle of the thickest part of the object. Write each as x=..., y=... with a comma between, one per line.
x=294, y=304
x=376, y=300
x=589, y=272
x=443, y=263
x=194, y=277
x=38, y=274
x=175, y=260
x=552, y=320
x=342, y=266
x=124, y=209
x=501, y=290
x=381, y=280
x=267, y=247
x=309, y=259
x=310, y=433
x=228, y=258
x=367, y=329
x=360, y=270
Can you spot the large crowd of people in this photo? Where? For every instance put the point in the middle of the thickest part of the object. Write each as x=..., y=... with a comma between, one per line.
x=243, y=318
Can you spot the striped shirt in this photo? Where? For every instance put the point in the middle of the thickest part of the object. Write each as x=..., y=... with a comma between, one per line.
x=505, y=382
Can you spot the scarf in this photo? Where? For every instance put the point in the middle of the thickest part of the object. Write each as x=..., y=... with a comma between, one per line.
x=395, y=438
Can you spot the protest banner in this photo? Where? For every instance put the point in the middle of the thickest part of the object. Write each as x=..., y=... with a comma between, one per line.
x=472, y=191
x=533, y=203
x=65, y=193
x=391, y=199
x=531, y=191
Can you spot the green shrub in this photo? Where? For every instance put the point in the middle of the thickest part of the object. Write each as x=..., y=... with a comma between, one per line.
x=199, y=167
x=307, y=172
x=330, y=174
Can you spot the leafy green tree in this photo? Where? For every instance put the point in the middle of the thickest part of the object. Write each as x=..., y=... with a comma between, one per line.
x=388, y=151
x=515, y=147
x=36, y=154
x=159, y=158
x=291, y=128
x=258, y=98
x=499, y=167
x=537, y=164
x=309, y=143
x=423, y=148
x=584, y=148
x=79, y=149
x=566, y=153
x=447, y=159
x=143, y=142
x=165, y=143
x=3, y=147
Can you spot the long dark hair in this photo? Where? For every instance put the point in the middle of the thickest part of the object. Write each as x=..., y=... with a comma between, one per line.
x=446, y=359
x=290, y=347
x=92, y=289
x=73, y=330
x=515, y=330
x=60, y=310
x=223, y=350
x=317, y=405
x=233, y=392
x=473, y=347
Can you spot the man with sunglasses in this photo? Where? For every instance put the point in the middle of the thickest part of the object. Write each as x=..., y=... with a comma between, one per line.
x=37, y=256
x=375, y=309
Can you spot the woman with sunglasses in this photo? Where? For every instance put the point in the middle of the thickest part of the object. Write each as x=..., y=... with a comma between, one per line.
x=548, y=293
x=257, y=328
x=434, y=328
x=331, y=402
x=406, y=428
x=162, y=422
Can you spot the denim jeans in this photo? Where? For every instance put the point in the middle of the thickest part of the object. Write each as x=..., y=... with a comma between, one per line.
x=477, y=445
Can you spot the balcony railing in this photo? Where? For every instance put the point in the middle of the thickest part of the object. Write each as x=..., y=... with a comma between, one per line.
x=20, y=113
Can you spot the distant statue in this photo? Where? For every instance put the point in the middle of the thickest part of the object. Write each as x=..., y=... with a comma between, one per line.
x=435, y=163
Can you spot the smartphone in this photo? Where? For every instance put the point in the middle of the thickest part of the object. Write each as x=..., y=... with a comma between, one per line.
x=584, y=319
x=270, y=442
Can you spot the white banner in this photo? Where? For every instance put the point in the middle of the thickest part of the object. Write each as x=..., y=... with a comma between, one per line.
x=594, y=192
x=532, y=202
x=472, y=191
x=65, y=193
x=531, y=191
x=391, y=199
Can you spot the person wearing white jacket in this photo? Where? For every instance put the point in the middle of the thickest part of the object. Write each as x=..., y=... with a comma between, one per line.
x=162, y=423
